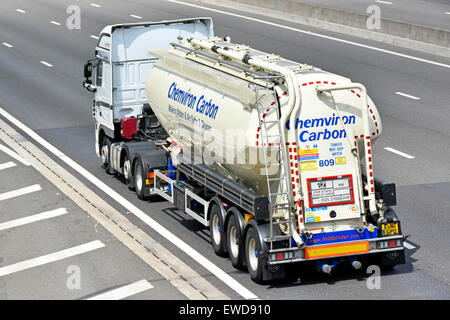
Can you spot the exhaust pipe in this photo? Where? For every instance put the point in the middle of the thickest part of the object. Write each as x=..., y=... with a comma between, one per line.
x=326, y=268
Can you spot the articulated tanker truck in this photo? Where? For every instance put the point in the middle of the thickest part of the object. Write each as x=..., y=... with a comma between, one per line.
x=274, y=156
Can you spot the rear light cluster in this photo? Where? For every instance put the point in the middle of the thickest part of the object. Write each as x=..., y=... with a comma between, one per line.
x=282, y=256
x=389, y=244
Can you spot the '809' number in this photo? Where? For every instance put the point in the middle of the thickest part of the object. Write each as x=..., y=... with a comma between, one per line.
x=326, y=163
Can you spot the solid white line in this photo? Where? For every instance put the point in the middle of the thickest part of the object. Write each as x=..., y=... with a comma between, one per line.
x=52, y=257
x=19, y=192
x=135, y=16
x=399, y=153
x=407, y=95
x=95, y=5
x=7, y=165
x=7, y=45
x=408, y=245
x=55, y=23
x=33, y=218
x=208, y=265
x=124, y=292
x=45, y=63
x=20, y=10
x=315, y=34
x=14, y=155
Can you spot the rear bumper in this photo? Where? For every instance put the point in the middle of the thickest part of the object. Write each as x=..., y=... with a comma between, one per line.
x=389, y=255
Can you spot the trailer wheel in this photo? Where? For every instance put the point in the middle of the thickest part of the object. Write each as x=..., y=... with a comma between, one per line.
x=235, y=245
x=128, y=173
x=252, y=255
x=139, y=180
x=216, y=231
x=105, y=154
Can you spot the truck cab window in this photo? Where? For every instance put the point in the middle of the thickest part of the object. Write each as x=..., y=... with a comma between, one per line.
x=99, y=80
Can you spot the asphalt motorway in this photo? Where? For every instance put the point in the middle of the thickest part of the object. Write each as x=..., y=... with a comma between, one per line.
x=41, y=65
x=432, y=13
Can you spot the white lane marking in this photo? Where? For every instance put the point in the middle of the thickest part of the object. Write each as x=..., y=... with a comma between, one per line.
x=45, y=63
x=7, y=165
x=408, y=245
x=124, y=292
x=33, y=218
x=94, y=37
x=208, y=265
x=55, y=23
x=52, y=257
x=407, y=95
x=19, y=192
x=384, y=2
x=447, y=12
x=315, y=34
x=408, y=156
x=95, y=5
x=135, y=16
x=20, y=10
x=7, y=45
x=14, y=155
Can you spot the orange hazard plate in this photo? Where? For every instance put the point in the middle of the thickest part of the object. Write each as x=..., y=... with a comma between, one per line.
x=334, y=250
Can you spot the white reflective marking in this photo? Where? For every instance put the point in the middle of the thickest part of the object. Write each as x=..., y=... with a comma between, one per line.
x=20, y=10
x=95, y=5
x=124, y=292
x=52, y=257
x=45, y=63
x=94, y=37
x=14, y=155
x=399, y=153
x=7, y=165
x=384, y=2
x=55, y=23
x=33, y=218
x=7, y=45
x=135, y=16
x=407, y=95
x=19, y=192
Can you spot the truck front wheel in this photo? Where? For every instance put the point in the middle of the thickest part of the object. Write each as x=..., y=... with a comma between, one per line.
x=105, y=155
x=139, y=180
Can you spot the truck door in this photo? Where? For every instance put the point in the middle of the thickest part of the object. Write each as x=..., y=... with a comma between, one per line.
x=103, y=101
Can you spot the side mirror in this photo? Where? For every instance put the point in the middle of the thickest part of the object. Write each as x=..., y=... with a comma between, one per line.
x=88, y=70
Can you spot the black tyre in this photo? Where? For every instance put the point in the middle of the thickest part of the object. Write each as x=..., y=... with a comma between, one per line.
x=139, y=179
x=217, y=231
x=105, y=155
x=235, y=242
x=252, y=255
x=128, y=173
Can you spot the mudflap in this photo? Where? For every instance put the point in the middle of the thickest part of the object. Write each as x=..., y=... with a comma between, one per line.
x=392, y=258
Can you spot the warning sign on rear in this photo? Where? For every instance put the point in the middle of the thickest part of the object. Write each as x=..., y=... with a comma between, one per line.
x=330, y=191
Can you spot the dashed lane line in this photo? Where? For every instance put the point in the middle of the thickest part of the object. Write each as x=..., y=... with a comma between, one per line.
x=124, y=292
x=52, y=257
x=7, y=165
x=19, y=192
x=405, y=155
x=34, y=218
x=14, y=155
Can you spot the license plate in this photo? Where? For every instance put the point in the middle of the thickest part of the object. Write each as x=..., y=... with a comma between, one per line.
x=390, y=229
